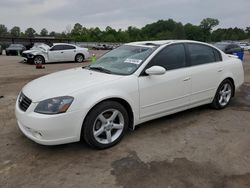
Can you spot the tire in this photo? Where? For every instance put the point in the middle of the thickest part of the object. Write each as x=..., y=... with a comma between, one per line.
x=39, y=60
x=105, y=125
x=79, y=58
x=223, y=95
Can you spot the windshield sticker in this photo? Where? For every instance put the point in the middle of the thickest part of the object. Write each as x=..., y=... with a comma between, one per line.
x=134, y=61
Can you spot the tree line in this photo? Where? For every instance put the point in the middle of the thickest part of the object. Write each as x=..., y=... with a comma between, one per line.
x=160, y=30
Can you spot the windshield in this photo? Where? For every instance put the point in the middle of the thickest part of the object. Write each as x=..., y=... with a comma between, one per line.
x=123, y=60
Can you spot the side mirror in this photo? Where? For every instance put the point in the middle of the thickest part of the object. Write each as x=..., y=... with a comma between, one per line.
x=156, y=70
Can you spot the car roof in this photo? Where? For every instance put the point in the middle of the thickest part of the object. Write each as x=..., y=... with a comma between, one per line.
x=162, y=42
x=63, y=44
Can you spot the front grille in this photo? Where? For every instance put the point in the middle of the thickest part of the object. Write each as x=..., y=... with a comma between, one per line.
x=24, y=102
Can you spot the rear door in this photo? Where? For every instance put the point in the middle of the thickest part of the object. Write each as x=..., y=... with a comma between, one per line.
x=69, y=53
x=206, y=72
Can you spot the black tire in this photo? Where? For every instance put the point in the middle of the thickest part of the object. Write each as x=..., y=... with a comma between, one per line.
x=217, y=103
x=79, y=58
x=92, y=121
x=39, y=59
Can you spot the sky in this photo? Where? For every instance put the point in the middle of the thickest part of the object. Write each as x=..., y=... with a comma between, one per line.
x=61, y=15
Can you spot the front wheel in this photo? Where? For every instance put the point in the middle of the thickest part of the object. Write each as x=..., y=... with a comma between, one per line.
x=39, y=60
x=223, y=95
x=105, y=125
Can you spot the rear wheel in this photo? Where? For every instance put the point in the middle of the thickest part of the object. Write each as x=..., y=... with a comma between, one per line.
x=105, y=125
x=223, y=95
x=39, y=60
x=79, y=58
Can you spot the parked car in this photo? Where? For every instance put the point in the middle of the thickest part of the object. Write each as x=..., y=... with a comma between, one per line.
x=228, y=48
x=59, y=52
x=1, y=50
x=15, y=49
x=231, y=48
x=244, y=45
x=102, y=47
x=127, y=86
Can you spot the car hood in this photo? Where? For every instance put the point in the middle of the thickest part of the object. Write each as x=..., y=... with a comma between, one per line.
x=14, y=48
x=64, y=83
x=33, y=51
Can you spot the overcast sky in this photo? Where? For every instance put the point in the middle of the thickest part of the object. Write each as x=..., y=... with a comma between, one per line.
x=55, y=15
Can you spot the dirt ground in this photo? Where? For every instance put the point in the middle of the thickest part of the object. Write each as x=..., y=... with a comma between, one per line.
x=201, y=148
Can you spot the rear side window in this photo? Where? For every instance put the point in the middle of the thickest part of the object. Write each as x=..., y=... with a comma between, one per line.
x=68, y=47
x=201, y=54
x=171, y=57
x=217, y=55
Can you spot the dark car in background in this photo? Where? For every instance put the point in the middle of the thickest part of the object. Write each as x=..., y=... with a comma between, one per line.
x=1, y=50
x=228, y=48
x=15, y=49
x=231, y=48
x=103, y=47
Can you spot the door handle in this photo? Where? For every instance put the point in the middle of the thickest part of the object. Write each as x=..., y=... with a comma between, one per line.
x=186, y=79
x=220, y=70
x=61, y=52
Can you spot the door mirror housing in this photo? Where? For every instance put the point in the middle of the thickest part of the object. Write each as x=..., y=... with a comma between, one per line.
x=155, y=70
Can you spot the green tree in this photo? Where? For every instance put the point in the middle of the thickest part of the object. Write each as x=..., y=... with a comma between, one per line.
x=30, y=32
x=179, y=31
x=3, y=30
x=15, y=31
x=52, y=34
x=77, y=30
x=248, y=31
x=193, y=32
x=207, y=25
x=44, y=32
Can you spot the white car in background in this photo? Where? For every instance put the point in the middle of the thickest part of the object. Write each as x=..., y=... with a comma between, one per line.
x=129, y=85
x=59, y=52
x=244, y=45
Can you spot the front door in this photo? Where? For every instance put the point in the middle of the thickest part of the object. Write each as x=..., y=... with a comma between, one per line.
x=56, y=53
x=164, y=94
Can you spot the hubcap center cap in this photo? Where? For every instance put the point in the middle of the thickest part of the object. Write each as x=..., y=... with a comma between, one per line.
x=109, y=126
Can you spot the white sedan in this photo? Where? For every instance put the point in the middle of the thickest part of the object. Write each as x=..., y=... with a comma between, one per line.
x=132, y=84
x=59, y=52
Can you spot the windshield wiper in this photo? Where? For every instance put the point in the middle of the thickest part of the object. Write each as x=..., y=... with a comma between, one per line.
x=100, y=69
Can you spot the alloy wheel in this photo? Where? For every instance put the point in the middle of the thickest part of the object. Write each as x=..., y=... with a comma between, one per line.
x=108, y=126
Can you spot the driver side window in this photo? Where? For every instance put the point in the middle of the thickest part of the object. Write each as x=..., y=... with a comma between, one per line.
x=56, y=48
x=171, y=57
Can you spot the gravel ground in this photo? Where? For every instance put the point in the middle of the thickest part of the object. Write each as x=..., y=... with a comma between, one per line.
x=201, y=147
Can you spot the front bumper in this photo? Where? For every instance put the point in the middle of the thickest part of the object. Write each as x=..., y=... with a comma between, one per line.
x=27, y=58
x=49, y=129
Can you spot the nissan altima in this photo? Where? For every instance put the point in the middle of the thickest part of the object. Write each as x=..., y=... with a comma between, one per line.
x=129, y=85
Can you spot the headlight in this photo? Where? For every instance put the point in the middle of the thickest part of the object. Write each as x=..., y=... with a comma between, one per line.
x=30, y=55
x=55, y=105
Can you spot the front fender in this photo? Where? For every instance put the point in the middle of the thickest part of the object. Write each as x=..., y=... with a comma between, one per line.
x=125, y=89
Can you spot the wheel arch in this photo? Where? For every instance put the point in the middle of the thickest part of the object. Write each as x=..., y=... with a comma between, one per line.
x=233, y=83
x=123, y=102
